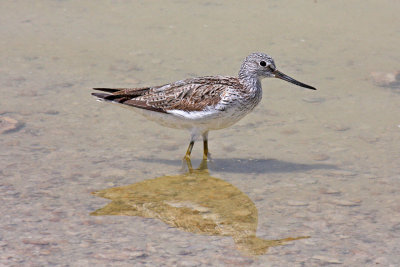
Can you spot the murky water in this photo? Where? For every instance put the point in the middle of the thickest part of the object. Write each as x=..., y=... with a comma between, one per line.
x=319, y=164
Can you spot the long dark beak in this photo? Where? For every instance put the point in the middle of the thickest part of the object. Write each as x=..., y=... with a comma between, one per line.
x=284, y=77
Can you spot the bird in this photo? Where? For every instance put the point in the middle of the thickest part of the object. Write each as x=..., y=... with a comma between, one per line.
x=201, y=104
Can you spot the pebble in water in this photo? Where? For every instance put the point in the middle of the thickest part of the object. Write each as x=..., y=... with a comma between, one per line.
x=8, y=125
x=386, y=79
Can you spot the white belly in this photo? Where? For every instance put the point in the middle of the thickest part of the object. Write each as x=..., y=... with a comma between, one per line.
x=200, y=121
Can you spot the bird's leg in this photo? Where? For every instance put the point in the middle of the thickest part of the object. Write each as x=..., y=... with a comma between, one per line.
x=186, y=158
x=189, y=151
x=205, y=151
x=189, y=165
x=203, y=166
x=206, y=154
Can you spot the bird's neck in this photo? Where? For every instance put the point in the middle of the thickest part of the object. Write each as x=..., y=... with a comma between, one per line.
x=251, y=83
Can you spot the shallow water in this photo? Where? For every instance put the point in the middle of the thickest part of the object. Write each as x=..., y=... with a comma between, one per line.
x=323, y=164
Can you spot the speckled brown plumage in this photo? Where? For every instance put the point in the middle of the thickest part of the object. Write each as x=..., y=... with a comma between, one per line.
x=193, y=94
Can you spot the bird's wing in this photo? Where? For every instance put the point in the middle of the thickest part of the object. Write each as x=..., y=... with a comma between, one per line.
x=187, y=95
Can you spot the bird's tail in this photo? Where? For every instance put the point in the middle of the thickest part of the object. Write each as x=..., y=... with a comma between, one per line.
x=104, y=96
x=119, y=95
x=100, y=96
x=108, y=90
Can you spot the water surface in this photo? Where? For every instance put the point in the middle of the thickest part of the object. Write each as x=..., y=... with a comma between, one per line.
x=323, y=163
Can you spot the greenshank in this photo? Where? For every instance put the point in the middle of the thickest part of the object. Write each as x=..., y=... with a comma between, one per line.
x=204, y=103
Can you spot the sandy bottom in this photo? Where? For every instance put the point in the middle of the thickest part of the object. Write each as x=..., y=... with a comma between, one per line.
x=310, y=178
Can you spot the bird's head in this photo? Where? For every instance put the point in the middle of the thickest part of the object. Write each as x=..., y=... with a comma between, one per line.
x=260, y=65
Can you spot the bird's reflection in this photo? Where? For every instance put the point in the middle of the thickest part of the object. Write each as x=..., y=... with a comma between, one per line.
x=193, y=202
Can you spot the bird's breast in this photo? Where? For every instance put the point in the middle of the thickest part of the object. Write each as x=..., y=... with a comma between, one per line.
x=241, y=101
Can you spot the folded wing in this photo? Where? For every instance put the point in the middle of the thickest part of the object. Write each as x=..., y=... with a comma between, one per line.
x=187, y=95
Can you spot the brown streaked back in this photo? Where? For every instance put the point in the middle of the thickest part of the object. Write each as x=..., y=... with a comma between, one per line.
x=193, y=94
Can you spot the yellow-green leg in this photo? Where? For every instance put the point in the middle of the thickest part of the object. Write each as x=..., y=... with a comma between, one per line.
x=205, y=149
x=186, y=158
x=189, y=151
x=206, y=154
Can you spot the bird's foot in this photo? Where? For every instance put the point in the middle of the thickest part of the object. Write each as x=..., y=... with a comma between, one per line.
x=186, y=164
x=207, y=156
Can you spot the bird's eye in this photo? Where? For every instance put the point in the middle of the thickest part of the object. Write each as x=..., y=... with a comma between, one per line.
x=263, y=63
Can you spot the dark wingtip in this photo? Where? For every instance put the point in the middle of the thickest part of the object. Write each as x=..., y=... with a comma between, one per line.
x=109, y=90
x=109, y=97
x=100, y=95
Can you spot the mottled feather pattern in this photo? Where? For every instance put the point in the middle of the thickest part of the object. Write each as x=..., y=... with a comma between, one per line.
x=195, y=94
